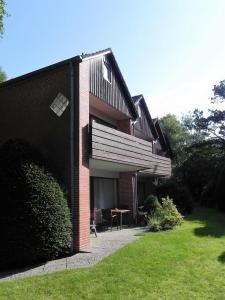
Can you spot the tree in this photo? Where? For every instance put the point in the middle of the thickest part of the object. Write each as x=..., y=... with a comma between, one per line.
x=3, y=13
x=2, y=76
x=200, y=172
x=219, y=92
x=198, y=143
x=178, y=135
x=213, y=126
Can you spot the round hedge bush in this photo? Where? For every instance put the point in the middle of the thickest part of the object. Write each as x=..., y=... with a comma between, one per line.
x=35, y=222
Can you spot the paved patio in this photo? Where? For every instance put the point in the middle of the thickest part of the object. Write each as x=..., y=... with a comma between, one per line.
x=106, y=243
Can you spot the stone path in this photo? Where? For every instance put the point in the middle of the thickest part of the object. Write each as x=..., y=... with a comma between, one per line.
x=105, y=244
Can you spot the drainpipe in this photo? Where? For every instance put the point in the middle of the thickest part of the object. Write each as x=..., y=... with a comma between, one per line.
x=135, y=197
x=72, y=151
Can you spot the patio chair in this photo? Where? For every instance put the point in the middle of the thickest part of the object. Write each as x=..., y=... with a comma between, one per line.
x=109, y=218
x=94, y=218
x=93, y=227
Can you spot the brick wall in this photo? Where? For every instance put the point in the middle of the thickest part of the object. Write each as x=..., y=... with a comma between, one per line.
x=125, y=126
x=81, y=159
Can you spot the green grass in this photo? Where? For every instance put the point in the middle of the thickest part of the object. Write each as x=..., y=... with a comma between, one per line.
x=187, y=263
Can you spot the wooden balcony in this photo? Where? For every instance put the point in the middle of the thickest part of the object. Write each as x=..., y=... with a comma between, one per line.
x=110, y=145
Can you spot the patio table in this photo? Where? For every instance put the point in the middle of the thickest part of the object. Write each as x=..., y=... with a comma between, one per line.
x=121, y=212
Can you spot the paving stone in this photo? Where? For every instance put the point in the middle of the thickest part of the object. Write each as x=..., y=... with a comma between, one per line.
x=106, y=243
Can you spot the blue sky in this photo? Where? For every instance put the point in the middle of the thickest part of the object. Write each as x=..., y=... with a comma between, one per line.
x=172, y=51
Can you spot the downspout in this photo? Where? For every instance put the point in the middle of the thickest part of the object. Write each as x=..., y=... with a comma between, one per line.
x=72, y=199
x=135, y=204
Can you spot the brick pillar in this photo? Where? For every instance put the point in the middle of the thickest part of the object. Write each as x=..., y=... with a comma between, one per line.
x=81, y=158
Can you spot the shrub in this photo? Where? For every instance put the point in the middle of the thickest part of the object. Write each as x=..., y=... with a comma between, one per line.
x=166, y=217
x=171, y=215
x=178, y=192
x=151, y=204
x=35, y=220
x=154, y=221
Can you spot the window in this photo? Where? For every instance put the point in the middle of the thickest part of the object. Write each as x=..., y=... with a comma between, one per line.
x=107, y=71
x=105, y=192
x=59, y=104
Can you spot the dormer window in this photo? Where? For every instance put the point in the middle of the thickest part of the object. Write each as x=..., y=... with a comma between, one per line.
x=107, y=71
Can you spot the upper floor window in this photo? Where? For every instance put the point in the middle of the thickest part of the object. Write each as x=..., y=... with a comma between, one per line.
x=107, y=71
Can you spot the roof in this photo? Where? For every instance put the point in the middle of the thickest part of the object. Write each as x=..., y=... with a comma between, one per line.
x=140, y=98
x=162, y=137
x=77, y=58
x=137, y=98
x=80, y=58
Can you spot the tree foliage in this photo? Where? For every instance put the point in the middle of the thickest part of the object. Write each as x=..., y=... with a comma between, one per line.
x=3, y=13
x=219, y=92
x=3, y=76
x=178, y=135
x=213, y=126
x=198, y=143
x=204, y=151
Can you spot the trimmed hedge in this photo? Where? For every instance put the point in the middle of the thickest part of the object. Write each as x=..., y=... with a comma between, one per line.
x=35, y=223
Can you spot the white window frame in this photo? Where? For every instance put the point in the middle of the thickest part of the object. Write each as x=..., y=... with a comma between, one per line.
x=106, y=70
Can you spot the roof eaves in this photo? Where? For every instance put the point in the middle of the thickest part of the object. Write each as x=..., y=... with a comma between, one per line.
x=96, y=54
x=124, y=86
x=163, y=137
x=80, y=58
x=136, y=99
x=108, y=51
x=77, y=58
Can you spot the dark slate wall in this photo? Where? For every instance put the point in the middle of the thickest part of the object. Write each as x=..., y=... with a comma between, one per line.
x=142, y=125
x=108, y=92
x=25, y=114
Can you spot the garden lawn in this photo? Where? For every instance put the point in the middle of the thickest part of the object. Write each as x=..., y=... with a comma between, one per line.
x=187, y=263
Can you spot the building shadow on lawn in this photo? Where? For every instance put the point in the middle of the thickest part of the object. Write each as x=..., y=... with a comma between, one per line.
x=221, y=258
x=15, y=271
x=35, y=268
x=213, y=222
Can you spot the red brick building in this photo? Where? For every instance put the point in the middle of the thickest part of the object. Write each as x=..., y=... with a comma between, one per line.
x=101, y=142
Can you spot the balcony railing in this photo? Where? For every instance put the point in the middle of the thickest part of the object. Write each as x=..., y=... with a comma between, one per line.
x=109, y=144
